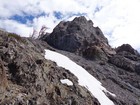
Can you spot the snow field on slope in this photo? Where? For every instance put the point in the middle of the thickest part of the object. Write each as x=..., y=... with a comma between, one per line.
x=84, y=78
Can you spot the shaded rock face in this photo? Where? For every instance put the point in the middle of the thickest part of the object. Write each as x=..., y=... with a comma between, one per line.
x=137, y=68
x=126, y=58
x=95, y=53
x=127, y=48
x=3, y=81
x=75, y=36
x=123, y=63
x=27, y=78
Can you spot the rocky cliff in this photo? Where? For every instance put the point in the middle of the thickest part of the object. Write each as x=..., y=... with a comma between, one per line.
x=27, y=78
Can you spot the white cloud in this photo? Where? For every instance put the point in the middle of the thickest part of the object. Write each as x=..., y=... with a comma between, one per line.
x=17, y=7
x=13, y=26
x=119, y=20
x=49, y=21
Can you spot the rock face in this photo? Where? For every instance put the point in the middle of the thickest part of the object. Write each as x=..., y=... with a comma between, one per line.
x=126, y=58
x=79, y=36
x=127, y=48
x=118, y=69
x=27, y=78
x=3, y=81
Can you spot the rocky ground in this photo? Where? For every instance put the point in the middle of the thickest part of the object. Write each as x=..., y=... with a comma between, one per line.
x=27, y=78
x=118, y=69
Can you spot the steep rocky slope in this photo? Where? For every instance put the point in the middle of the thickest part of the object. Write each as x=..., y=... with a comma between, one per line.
x=27, y=78
x=118, y=69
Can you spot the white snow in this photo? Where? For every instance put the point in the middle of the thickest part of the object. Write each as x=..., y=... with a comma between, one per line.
x=66, y=81
x=84, y=78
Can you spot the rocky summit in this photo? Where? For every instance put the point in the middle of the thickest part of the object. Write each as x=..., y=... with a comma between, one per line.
x=80, y=37
x=28, y=78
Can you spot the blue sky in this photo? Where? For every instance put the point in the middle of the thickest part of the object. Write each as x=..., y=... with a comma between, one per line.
x=22, y=19
x=58, y=14
x=119, y=20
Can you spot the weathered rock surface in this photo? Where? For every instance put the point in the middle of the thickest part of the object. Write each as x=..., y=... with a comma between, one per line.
x=123, y=83
x=118, y=69
x=80, y=36
x=127, y=48
x=3, y=80
x=123, y=63
x=27, y=78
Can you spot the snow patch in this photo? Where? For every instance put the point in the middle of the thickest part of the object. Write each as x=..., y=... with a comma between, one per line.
x=84, y=78
x=66, y=81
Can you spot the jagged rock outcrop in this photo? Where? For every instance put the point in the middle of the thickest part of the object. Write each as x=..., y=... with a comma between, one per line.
x=80, y=36
x=127, y=48
x=27, y=78
x=126, y=58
